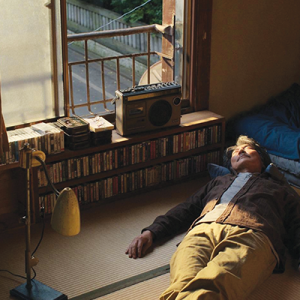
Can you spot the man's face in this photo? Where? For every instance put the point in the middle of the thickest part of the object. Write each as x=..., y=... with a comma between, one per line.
x=246, y=159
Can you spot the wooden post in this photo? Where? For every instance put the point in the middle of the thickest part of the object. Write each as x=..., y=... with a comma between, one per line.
x=3, y=134
x=168, y=42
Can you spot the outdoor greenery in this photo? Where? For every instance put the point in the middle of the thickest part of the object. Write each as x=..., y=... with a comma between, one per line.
x=151, y=13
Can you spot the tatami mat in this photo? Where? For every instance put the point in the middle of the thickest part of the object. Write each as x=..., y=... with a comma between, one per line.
x=278, y=287
x=93, y=264
x=147, y=290
x=96, y=257
x=285, y=286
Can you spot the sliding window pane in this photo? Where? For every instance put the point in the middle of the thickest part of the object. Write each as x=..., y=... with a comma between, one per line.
x=26, y=62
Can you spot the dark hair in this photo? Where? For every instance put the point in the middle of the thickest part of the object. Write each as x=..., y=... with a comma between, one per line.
x=243, y=139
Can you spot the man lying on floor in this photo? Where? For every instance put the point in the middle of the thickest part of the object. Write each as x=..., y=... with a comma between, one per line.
x=239, y=226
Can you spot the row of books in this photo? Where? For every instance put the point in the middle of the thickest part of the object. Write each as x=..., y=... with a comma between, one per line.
x=131, y=181
x=42, y=136
x=113, y=159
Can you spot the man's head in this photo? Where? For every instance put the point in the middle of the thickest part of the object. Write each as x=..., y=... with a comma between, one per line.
x=247, y=156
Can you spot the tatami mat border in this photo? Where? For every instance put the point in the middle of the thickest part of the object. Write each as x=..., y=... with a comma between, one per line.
x=123, y=283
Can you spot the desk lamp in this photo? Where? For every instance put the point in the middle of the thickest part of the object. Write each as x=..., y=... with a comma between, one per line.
x=65, y=220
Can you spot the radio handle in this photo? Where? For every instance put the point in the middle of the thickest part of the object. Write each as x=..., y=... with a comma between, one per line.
x=113, y=101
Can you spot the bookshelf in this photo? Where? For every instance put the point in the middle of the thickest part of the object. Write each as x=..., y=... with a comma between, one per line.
x=132, y=164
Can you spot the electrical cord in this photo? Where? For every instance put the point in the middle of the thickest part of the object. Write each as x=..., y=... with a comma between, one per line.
x=47, y=175
x=37, y=246
x=20, y=276
x=34, y=273
x=42, y=216
x=120, y=17
x=42, y=208
x=124, y=15
x=1, y=270
x=43, y=229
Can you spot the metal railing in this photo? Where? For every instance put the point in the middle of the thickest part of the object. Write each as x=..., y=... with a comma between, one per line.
x=85, y=17
x=86, y=37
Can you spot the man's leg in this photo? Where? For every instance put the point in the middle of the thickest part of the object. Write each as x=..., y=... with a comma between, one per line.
x=216, y=261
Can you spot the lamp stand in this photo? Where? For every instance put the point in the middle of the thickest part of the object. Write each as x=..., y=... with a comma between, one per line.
x=37, y=291
x=32, y=289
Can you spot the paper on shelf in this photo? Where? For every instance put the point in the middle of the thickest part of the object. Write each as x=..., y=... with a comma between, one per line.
x=99, y=124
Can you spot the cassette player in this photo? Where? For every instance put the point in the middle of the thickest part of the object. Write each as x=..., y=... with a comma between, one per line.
x=148, y=107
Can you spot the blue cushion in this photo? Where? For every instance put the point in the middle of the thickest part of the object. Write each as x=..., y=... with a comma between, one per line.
x=215, y=170
x=285, y=107
x=275, y=125
x=278, y=138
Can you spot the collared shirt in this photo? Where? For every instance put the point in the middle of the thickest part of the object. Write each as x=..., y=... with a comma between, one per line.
x=234, y=188
x=261, y=204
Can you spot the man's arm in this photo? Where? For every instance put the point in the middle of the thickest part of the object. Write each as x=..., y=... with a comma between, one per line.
x=175, y=220
x=140, y=245
x=182, y=216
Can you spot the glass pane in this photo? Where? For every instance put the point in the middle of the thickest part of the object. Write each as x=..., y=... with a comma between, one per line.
x=179, y=44
x=25, y=62
x=97, y=15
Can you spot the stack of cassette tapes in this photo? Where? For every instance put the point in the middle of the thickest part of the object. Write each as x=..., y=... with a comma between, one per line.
x=101, y=129
x=77, y=132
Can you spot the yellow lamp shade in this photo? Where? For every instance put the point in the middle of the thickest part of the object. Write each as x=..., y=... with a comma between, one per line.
x=66, y=214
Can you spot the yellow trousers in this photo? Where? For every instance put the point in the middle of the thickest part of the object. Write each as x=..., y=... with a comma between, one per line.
x=217, y=261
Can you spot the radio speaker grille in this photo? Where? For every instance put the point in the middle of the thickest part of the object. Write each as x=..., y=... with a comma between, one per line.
x=160, y=113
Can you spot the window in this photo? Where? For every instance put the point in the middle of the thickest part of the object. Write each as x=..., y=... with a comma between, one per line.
x=27, y=62
x=35, y=70
x=107, y=53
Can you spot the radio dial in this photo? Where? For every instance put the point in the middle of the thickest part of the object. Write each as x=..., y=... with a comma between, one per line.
x=176, y=101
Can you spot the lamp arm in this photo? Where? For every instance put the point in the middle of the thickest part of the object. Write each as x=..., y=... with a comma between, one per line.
x=42, y=162
x=34, y=289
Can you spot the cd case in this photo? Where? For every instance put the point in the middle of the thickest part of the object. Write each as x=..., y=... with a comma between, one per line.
x=98, y=123
x=73, y=125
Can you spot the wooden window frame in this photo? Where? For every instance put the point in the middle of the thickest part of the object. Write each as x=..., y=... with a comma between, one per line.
x=198, y=51
x=201, y=23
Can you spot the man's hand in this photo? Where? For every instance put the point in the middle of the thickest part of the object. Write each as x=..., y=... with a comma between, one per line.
x=140, y=245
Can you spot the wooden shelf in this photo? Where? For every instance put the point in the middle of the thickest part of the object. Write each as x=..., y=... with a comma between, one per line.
x=14, y=165
x=142, y=165
x=91, y=205
x=189, y=123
